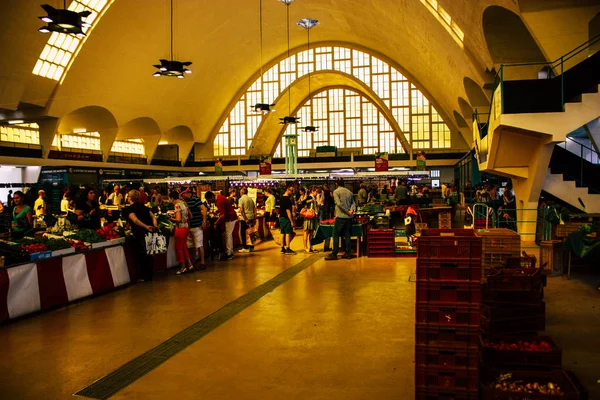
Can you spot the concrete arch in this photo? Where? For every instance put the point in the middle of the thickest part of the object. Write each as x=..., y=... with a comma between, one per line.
x=183, y=136
x=465, y=108
x=144, y=128
x=92, y=119
x=345, y=45
x=460, y=121
x=475, y=94
x=507, y=37
x=269, y=132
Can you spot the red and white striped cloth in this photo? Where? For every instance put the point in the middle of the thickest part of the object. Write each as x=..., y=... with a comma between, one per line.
x=54, y=282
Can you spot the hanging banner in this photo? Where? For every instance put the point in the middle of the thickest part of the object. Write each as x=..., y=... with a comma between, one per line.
x=421, y=161
x=219, y=166
x=381, y=162
x=253, y=194
x=265, y=166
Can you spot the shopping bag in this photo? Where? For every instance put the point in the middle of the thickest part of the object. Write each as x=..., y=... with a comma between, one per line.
x=156, y=243
x=252, y=233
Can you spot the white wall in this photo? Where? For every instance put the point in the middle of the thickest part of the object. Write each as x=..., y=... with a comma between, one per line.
x=9, y=175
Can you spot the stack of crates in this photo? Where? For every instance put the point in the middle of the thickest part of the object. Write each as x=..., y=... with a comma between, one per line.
x=447, y=314
x=445, y=220
x=381, y=242
x=497, y=246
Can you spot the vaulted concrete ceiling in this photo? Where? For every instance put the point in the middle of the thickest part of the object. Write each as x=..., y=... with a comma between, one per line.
x=221, y=38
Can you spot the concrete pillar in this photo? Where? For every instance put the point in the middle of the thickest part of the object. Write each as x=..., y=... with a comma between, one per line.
x=48, y=128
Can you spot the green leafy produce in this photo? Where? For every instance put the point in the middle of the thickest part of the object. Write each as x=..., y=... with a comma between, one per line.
x=51, y=244
x=88, y=236
x=165, y=225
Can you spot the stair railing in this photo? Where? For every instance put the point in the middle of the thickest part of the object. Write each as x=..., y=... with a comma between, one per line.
x=585, y=153
x=557, y=67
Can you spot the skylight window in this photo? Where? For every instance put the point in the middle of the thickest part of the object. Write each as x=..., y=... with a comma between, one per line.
x=443, y=16
x=61, y=49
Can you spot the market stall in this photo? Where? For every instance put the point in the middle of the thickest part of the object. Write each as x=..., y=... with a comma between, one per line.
x=324, y=233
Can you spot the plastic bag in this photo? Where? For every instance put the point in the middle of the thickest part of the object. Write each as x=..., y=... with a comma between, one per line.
x=156, y=243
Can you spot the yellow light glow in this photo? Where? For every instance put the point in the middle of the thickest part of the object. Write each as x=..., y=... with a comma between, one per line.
x=402, y=99
x=61, y=48
x=442, y=15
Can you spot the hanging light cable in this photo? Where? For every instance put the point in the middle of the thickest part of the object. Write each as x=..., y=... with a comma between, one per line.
x=172, y=67
x=265, y=108
x=308, y=24
x=288, y=119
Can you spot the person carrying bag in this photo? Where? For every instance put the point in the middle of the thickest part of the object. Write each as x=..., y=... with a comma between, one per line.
x=143, y=223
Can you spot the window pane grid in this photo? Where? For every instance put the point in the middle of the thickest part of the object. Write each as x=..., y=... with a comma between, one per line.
x=404, y=100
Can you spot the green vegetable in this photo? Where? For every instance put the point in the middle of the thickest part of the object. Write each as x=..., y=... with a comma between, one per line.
x=51, y=244
x=88, y=236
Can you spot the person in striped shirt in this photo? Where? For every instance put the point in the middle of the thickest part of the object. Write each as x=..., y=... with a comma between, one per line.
x=199, y=216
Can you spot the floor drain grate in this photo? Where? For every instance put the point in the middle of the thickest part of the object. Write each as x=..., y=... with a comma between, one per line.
x=141, y=365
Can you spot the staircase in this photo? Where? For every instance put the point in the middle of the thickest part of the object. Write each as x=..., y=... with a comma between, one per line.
x=569, y=192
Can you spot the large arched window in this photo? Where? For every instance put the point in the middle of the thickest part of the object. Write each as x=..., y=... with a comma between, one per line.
x=347, y=120
x=416, y=116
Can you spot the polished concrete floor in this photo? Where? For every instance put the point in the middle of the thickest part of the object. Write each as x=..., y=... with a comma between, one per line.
x=336, y=330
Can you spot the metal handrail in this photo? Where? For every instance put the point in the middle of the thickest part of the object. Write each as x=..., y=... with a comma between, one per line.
x=499, y=77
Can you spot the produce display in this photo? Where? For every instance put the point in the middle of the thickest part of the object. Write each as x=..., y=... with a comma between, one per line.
x=506, y=384
x=541, y=346
x=165, y=225
x=108, y=232
x=88, y=236
x=12, y=253
x=78, y=244
x=43, y=244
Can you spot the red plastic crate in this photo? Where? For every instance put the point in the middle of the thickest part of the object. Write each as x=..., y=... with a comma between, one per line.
x=512, y=311
x=446, y=356
x=447, y=335
x=569, y=386
x=449, y=292
x=519, y=279
x=448, y=314
x=512, y=326
x=456, y=379
x=449, y=243
x=441, y=394
x=521, y=358
x=526, y=297
x=449, y=270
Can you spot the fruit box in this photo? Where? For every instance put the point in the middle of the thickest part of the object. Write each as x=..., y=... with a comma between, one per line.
x=448, y=314
x=449, y=292
x=458, y=379
x=569, y=385
x=526, y=297
x=447, y=335
x=512, y=311
x=513, y=326
x=446, y=356
x=120, y=240
x=449, y=270
x=514, y=278
x=501, y=357
x=449, y=243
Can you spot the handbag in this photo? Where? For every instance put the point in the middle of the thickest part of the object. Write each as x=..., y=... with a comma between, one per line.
x=156, y=243
x=308, y=213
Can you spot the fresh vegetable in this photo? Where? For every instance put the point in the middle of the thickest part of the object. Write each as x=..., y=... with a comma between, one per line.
x=165, y=225
x=506, y=384
x=541, y=346
x=47, y=244
x=78, y=244
x=108, y=233
x=88, y=236
x=34, y=248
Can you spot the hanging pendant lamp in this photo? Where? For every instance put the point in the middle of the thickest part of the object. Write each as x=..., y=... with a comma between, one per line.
x=172, y=67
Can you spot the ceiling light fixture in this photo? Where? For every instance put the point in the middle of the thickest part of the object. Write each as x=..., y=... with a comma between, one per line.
x=16, y=121
x=288, y=119
x=64, y=20
x=264, y=108
x=308, y=24
x=172, y=67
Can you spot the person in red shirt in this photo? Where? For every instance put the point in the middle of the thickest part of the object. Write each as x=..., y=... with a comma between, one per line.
x=227, y=216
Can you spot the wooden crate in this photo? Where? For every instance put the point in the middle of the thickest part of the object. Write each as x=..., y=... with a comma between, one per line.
x=551, y=254
x=562, y=231
x=499, y=239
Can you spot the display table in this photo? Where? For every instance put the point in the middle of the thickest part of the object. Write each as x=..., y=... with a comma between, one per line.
x=58, y=281
x=324, y=233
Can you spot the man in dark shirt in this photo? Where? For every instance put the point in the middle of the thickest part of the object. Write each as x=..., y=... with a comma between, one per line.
x=286, y=227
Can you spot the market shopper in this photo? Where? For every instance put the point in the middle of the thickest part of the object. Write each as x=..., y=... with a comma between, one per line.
x=270, y=212
x=181, y=217
x=401, y=194
x=64, y=203
x=286, y=226
x=156, y=197
x=87, y=210
x=40, y=204
x=363, y=196
x=22, y=223
x=226, y=221
x=199, y=216
x=116, y=197
x=143, y=195
x=310, y=224
x=248, y=212
x=344, y=211
x=142, y=221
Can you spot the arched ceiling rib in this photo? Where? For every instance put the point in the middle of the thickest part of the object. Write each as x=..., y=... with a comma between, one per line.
x=114, y=68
